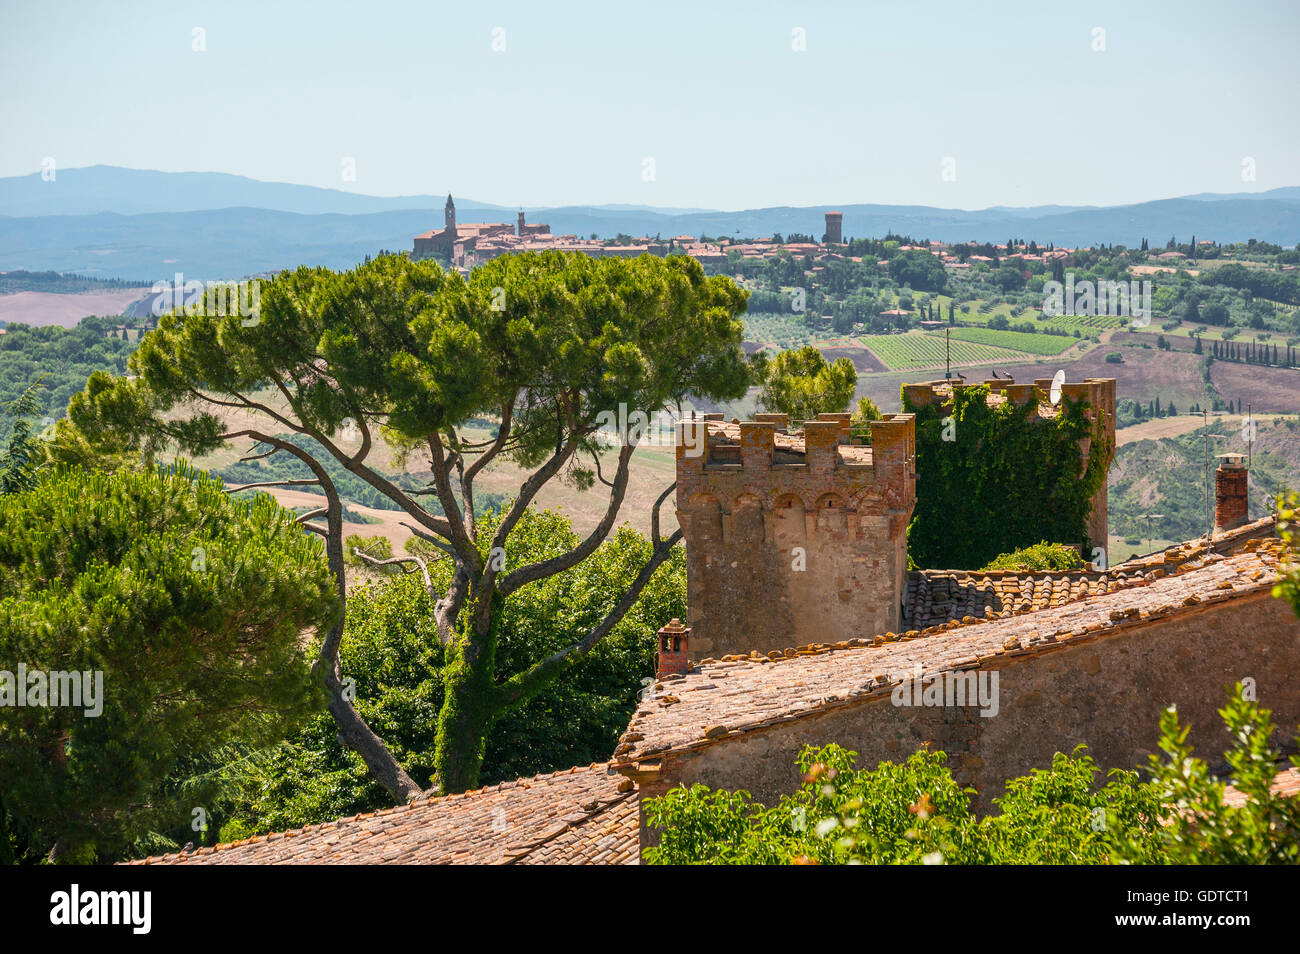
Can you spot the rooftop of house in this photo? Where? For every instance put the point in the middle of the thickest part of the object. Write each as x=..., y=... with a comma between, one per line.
x=582, y=815
x=934, y=597
x=739, y=694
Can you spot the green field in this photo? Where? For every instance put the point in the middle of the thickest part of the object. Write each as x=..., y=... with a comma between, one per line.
x=1015, y=340
x=901, y=352
x=1084, y=324
x=782, y=331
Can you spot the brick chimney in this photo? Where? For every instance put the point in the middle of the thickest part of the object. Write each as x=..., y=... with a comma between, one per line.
x=1230, y=492
x=673, y=640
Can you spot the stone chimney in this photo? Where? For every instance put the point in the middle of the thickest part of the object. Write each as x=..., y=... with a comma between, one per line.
x=1231, y=494
x=673, y=640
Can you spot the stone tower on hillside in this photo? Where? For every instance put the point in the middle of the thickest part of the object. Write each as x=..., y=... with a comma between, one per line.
x=834, y=228
x=793, y=536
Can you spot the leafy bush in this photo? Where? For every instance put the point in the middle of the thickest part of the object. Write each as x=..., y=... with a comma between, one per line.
x=1042, y=557
x=1200, y=828
x=909, y=813
x=1288, y=510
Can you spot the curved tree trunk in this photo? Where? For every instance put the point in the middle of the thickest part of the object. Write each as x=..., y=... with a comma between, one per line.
x=470, y=700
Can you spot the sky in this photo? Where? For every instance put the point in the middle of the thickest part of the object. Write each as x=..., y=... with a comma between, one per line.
x=693, y=105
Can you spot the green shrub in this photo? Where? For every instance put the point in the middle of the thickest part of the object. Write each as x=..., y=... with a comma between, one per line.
x=1042, y=557
x=910, y=813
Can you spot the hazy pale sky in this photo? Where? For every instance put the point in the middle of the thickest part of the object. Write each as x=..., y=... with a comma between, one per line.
x=575, y=98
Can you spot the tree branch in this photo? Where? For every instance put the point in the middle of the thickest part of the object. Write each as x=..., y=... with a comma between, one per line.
x=654, y=512
x=273, y=450
x=429, y=538
x=536, y=571
x=302, y=482
x=465, y=549
x=503, y=435
x=526, y=684
x=351, y=463
x=423, y=567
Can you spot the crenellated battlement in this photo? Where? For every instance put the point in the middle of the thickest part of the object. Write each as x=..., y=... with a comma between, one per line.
x=1099, y=393
x=766, y=459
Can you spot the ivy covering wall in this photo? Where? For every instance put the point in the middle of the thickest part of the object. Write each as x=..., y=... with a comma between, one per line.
x=1001, y=481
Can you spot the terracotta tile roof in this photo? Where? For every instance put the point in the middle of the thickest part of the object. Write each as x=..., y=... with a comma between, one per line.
x=577, y=816
x=933, y=597
x=937, y=596
x=739, y=694
x=612, y=837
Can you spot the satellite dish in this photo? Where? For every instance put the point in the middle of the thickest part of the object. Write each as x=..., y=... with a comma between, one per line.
x=1058, y=381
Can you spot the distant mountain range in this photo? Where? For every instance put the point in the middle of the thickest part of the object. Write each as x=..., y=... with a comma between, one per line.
x=130, y=223
x=97, y=189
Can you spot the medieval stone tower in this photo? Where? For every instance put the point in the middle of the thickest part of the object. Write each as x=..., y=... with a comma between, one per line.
x=834, y=228
x=793, y=536
x=449, y=216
